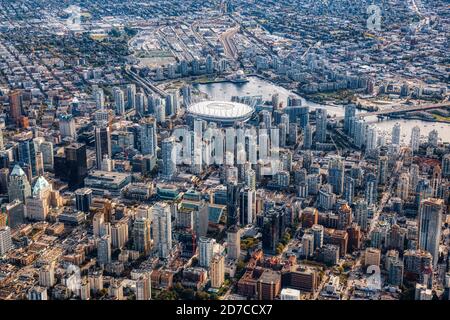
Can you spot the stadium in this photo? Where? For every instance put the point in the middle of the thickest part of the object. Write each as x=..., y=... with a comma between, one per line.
x=225, y=113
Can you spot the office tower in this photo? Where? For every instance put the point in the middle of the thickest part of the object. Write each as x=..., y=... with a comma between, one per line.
x=349, y=189
x=18, y=186
x=336, y=175
x=144, y=287
x=149, y=140
x=5, y=240
x=15, y=106
x=382, y=169
x=38, y=204
x=371, y=138
x=37, y=293
x=169, y=109
x=396, y=134
x=233, y=208
x=446, y=165
x=162, y=229
x=247, y=204
x=102, y=144
x=436, y=181
x=131, y=96
x=83, y=199
x=415, y=139
x=433, y=138
x=350, y=112
x=359, y=132
x=233, y=243
x=361, y=214
x=395, y=273
x=67, y=126
x=206, y=251
x=27, y=154
x=430, y=224
x=75, y=168
x=317, y=231
x=104, y=250
x=46, y=148
x=266, y=118
x=99, y=98
x=119, y=101
x=370, y=193
x=217, y=271
x=47, y=275
x=140, y=104
x=403, y=186
x=321, y=125
x=307, y=137
x=141, y=235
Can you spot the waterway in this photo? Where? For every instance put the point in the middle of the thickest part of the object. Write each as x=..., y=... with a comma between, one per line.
x=260, y=87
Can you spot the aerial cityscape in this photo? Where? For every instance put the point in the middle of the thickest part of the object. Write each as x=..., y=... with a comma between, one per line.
x=224, y=150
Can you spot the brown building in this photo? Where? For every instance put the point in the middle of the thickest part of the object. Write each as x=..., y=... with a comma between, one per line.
x=15, y=105
x=309, y=217
x=337, y=237
x=269, y=285
x=300, y=278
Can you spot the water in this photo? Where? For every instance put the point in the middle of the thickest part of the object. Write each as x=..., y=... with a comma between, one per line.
x=259, y=87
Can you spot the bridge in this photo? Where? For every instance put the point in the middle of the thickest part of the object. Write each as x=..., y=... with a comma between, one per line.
x=147, y=85
x=401, y=109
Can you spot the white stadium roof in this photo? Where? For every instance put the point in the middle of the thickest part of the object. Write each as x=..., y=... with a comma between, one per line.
x=221, y=111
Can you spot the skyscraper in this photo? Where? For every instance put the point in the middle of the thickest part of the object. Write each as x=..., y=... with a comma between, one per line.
x=15, y=105
x=206, y=251
x=169, y=168
x=18, y=186
x=149, y=140
x=217, y=271
x=307, y=137
x=5, y=240
x=415, y=139
x=27, y=154
x=396, y=134
x=430, y=224
x=75, y=167
x=141, y=235
x=162, y=230
x=102, y=144
x=104, y=250
x=119, y=101
x=131, y=96
x=336, y=174
x=350, y=112
x=233, y=208
x=321, y=125
x=83, y=199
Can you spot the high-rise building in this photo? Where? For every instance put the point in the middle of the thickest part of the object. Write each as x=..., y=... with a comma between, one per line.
x=206, y=251
x=317, y=231
x=169, y=168
x=233, y=243
x=349, y=189
x=141, y=235
x=18, y=187
x=47, y=275
x=102, y=144
x=361, y=214
x=217, y=271
x=233, y=208
x=403, y=186
x=336, y=175
x=149, y=140
x=67, y=126
x=104, y=250
x=83, y=199
x=37, y=293
x=382, y=169
x=162, y=229
x=72, y=167
x=144, y=287
x=446, y=165
x=15, y=105
x=371, y=189
x=430, y=224
x=5, y=240
x=415, y=139
x=119, y=101
x=140, y=104
x=321, y=125
x=131, y=96
x=27, y=154
x=349, y=117
x=396, y=134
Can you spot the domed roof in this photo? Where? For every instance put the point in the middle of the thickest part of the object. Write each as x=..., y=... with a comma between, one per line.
x=40, y=185
x=221, y=110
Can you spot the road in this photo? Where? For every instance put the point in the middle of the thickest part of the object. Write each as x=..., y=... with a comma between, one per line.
x=227, y=40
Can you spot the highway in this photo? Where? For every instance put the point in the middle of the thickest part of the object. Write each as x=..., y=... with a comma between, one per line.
x=147, y=85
